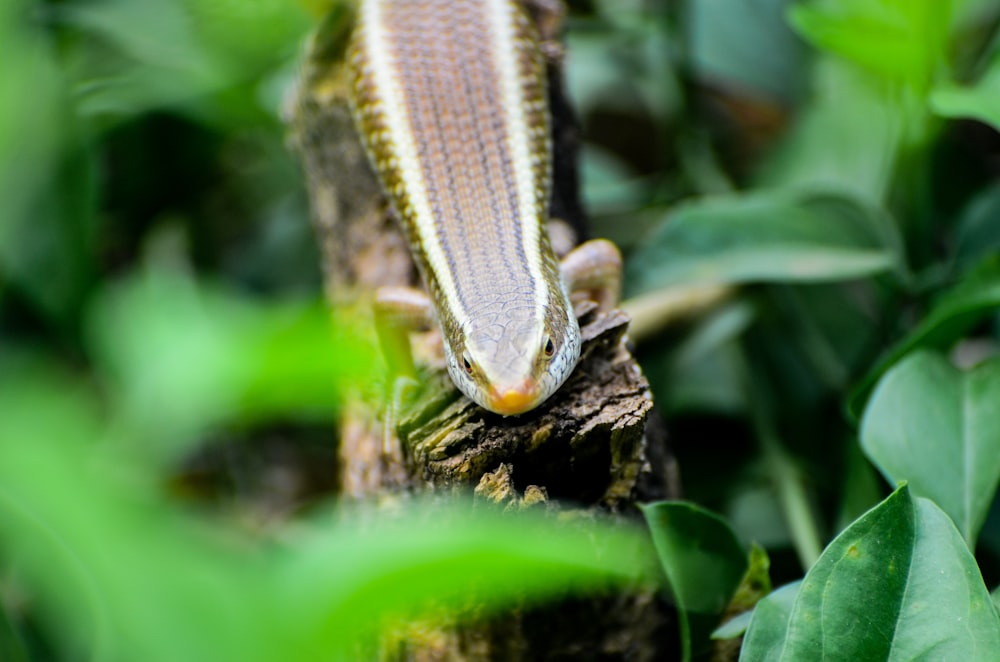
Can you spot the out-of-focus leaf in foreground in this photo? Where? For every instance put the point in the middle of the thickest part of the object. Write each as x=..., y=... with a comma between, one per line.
x=185, y=356
x=898, y=584
x=771, y=237
x=934, y=427
x=121, y=574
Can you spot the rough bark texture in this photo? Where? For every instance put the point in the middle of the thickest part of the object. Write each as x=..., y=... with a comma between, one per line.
x=594, y=444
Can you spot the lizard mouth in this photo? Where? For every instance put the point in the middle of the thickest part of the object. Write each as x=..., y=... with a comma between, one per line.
x=514, y=400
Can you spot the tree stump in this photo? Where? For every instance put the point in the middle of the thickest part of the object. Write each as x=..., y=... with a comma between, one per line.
x=595, y=444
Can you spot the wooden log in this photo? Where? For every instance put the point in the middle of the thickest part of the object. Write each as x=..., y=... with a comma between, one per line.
x=595, y=444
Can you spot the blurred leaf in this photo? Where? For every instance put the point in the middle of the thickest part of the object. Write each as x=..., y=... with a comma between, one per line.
x=845, y=140
x=773, y=237
x=747, y=45
x=978, y=234
x=48, y=199
x=702, y=559
x=898, y=584
x=183, y=357
x=903, y=40
x=980, y=101
x=198, y=48
x=934, y=427
x=11, y=647
x=734, y=627
x=765, y=636
x=120, y=574
x=954, y=313
x=701, y=372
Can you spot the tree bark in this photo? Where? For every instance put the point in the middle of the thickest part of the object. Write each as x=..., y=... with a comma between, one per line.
x=596, y=444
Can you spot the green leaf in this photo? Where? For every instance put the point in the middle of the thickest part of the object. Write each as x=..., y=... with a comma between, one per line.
x=772, y=237
x=955, y=313
x=182, y=357
x=980, y=101
x=934, y=427
x=769, y=624
x=898, y=584
x=903, y=40
x=755, y=586
x=118, y=572
x=702, y=559
x=845, y=139
x=977, y=234
x=747, y=45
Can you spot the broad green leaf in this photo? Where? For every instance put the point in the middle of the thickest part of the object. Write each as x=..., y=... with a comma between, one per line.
x=899, y=584
x=182, y=357
x=902, y=40
x=119, y=573
x=955, y=312
x=702, y=559
x=980, y=101
x=935, y=427
x=771, y=237
x=768, y=626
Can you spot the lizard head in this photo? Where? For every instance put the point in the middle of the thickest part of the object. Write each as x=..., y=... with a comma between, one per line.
x=510, y=361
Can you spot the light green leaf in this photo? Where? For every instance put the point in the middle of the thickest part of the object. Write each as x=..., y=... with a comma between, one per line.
x=899, y=584
x=980, y=101
x=119, y=573
x=768, y=626
x=182, y=357
x=935, y=427
x=771, y=237
x=902, y=40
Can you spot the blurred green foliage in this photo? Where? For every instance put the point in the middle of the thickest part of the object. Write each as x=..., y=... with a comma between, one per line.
x=836, y=160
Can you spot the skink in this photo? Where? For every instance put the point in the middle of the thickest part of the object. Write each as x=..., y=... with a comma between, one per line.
x=450, y=99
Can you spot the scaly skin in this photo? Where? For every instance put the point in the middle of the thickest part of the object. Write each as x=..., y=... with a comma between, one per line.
x=450, y=99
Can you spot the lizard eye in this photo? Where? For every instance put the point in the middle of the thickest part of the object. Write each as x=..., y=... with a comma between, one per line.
x=467, y=363
x=549, y=348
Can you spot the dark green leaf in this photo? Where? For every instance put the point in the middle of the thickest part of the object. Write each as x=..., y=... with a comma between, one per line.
x=774, y=237
x=898, y=584
x=934, y=427
x=700, y=554
x=703, y=562
x=955, y=312
x=978, y=233
x=747, y=45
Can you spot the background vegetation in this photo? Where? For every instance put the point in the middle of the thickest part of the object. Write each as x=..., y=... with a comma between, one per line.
x=168, y=374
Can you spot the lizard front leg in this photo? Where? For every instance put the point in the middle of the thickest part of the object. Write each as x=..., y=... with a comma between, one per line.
x=594, y=270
